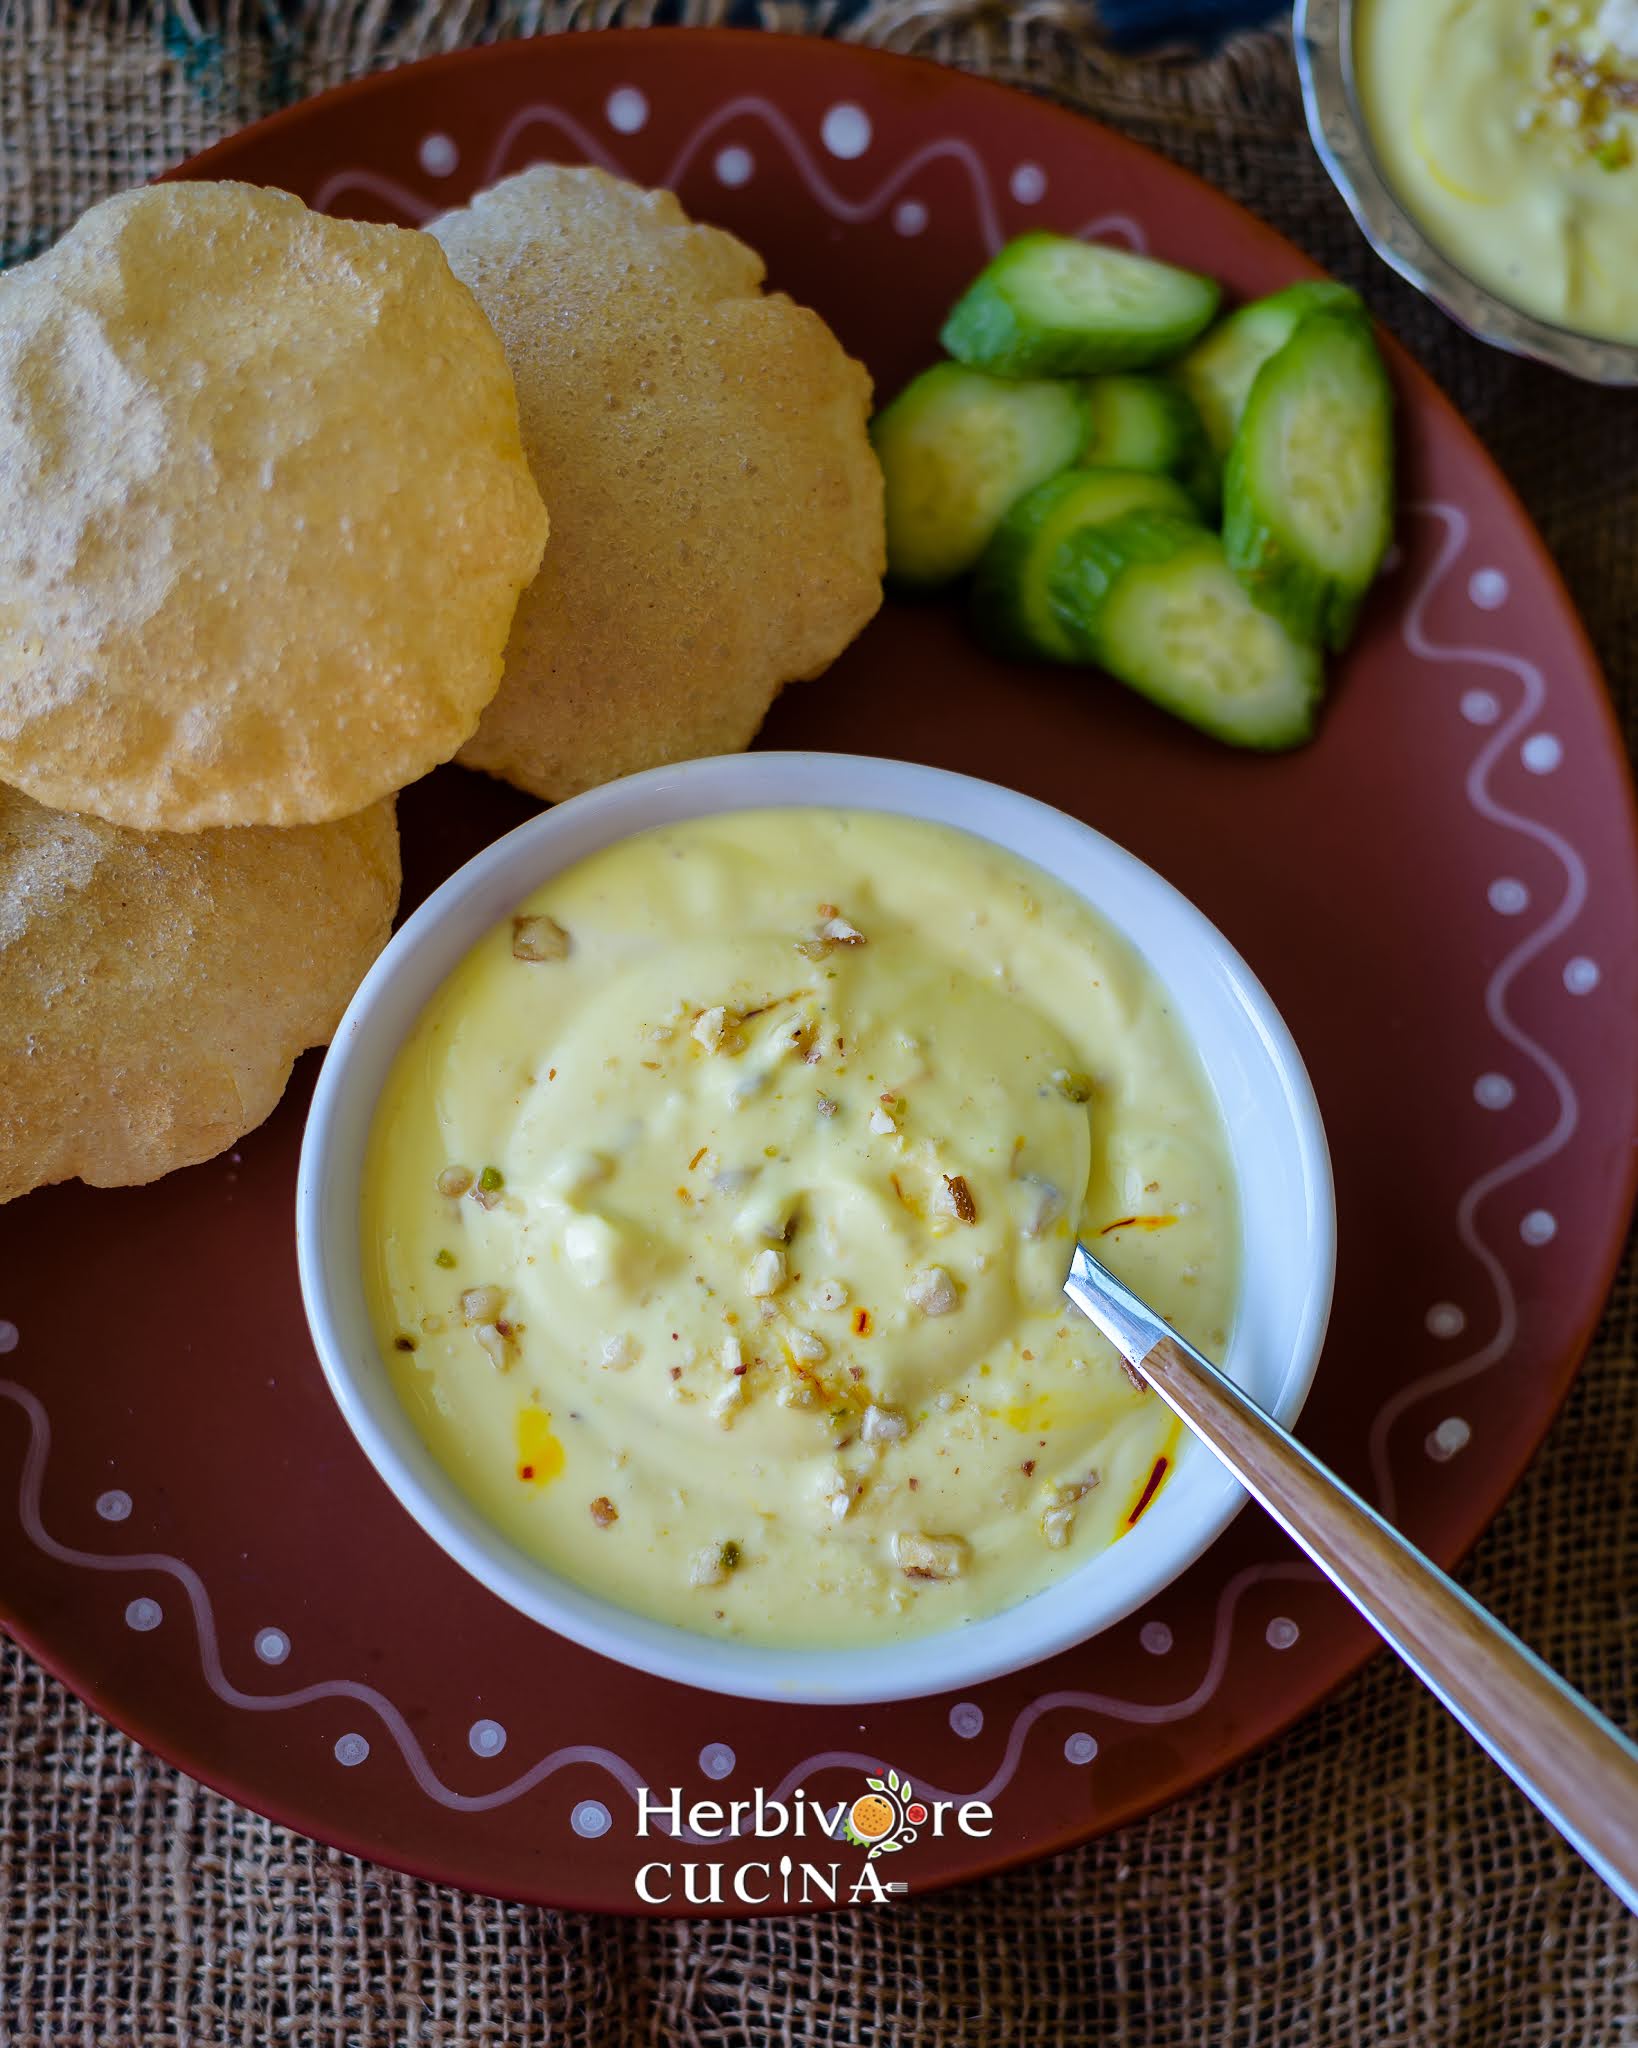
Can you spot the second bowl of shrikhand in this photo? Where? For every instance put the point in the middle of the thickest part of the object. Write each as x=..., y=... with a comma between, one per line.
x=688, y=1193
x=1489, y=151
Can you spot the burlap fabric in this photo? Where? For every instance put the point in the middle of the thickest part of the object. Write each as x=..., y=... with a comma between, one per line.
x=1367, y=1880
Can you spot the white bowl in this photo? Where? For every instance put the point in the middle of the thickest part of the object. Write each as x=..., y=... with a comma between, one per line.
x=1275, y=1137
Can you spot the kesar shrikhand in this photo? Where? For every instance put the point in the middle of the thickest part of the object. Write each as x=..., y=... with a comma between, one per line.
x=716, y=1248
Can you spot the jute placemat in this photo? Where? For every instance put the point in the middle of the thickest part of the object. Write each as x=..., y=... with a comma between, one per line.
x=1367, y=1880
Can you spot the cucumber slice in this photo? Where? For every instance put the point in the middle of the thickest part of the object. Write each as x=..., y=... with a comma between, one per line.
x=1150, y=423
x=1219, y=371
x=1308, y=493
x=1049, y=306
x=1153, y=600
x=956, y=449
x=1011, y=605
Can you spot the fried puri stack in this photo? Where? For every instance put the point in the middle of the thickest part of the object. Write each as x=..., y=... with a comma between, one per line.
x=267, y=516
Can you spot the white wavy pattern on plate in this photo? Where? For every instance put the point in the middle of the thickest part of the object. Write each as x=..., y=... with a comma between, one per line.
x=1508, y=730
x=417, y=209
x=148, y=1563
x=414, y=207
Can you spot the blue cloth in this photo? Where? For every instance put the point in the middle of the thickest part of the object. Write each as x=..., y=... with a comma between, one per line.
x=1133, y=24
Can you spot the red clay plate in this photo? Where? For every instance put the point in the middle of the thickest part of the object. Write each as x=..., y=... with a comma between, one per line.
x=1440, y=895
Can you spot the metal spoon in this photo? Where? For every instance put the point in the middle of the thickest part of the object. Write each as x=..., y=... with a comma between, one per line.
x=1578, y=1768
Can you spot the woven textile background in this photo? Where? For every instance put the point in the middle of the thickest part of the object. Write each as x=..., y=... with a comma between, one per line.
x=1368, y=1880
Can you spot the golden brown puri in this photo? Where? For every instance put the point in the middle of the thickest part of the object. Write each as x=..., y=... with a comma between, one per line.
x=716, y=506
x=266, y=512
x=155, y=989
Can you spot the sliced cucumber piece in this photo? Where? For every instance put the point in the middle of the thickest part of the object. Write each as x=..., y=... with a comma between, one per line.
x=1219, y=371
x=956, y=449
x=1150, y=423
x=1050, y=306
x=1308, y=493
x=1153, y=600
x=1011, y=605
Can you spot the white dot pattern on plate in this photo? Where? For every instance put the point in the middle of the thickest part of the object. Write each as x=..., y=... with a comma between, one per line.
x=1542, y=752
x=486, y=1738
x=1493, y=1091
x=717, y=1760
x=626, y=109
x=114, y=1506
x=8, y=1336
x=845, y=130
x=590, y=1819
x=966, y=1718
x=1028, y=184
x=1081, y=1748
x=144, y=1614
x=1539, y=1227
x=1480, y=707
x=1155, y=1637
x=1281, y=1632
x=1445, y=1319
x=1508, y=896
x=272, y=1645
x=1581, y=975
x=909, y=217
x=438, y=155
x=351, y=1749
x=734, y=166
x=1488, y=589
x=1451, y=1436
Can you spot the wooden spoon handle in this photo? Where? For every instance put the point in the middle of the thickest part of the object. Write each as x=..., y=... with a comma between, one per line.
x=1577, y=1767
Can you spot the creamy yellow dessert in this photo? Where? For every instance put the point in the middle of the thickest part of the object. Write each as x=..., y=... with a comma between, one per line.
x=717, y=1209
x=1509, y=129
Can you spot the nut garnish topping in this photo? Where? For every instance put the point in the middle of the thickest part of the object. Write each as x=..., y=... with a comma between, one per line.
x=481, y=1304
x=930, y=1557
x=714, y=1566
x=836, y=1494
x=495, y=1343
x=766, y=1273
x=1058, y=1518
x=933, y=1292
x=619, y=1352
x=539, y=938
x=455, y=1180
x=807, y=1347
x=729, y=1398
x=604, y=1512
x=883, y=1425
x=834, y=932
x=955, y=1198
x=717, y=1029
x=830, y=1294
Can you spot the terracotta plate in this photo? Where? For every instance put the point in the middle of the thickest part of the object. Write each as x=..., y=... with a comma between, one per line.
x=1439, y=894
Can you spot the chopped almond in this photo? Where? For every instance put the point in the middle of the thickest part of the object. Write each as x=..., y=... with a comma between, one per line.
x=930, y=1557
x=539, y=938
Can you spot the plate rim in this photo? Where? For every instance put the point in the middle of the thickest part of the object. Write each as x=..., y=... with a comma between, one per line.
x=1359, y=1645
